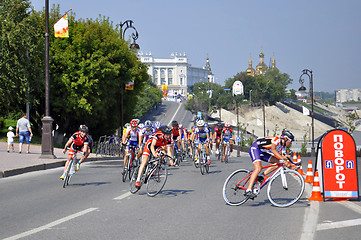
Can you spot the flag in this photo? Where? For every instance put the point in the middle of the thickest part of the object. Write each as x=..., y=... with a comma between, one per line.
x=61, y=29
x=130, y=85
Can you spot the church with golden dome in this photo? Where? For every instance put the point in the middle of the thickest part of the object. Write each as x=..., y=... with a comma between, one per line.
x=261, y=68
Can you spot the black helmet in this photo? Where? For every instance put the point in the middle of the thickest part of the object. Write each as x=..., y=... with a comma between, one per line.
x=287, y=133
x=84, y=128
x=165, y=129
x=174, y=123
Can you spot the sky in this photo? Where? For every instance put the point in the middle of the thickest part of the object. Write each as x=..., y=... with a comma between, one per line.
x=320, y=35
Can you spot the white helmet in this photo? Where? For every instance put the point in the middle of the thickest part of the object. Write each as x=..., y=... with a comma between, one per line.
x=200, y=123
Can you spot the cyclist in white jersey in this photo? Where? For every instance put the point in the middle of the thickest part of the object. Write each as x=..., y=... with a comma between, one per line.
x=135, y=139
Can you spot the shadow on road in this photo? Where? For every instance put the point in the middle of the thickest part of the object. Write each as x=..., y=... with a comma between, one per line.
x=89, y=184
x=174, y=193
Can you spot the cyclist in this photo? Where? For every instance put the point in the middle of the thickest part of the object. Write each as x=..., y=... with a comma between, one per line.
x=184, y=136
x=147, y=132
x=79, y=141
x=201, y=136
x=217, y=136
x=191, y=133
x=227, y=135
x=135, y=139
x=210, y=143
x=268, y=149
x=159, y=141
x=176, y=133
x=157, y=126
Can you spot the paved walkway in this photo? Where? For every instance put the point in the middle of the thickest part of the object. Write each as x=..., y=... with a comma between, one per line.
x=14, y=163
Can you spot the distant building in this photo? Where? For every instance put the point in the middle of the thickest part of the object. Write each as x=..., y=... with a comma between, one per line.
x=348, y=95
x=261, y=68
x=175, y=73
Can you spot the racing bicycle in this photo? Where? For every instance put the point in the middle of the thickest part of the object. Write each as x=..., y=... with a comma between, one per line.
x=154, y=176
x=132, y=162
x=70, y=171
x=285, y=186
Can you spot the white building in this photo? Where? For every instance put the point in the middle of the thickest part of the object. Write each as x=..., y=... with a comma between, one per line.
x=175, y=72
x=348, y=94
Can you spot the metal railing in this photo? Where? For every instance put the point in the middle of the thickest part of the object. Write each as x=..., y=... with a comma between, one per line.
x=109, y=146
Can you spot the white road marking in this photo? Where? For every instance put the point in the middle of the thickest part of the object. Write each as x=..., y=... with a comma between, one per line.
x=340, y=224
x=123, y=196
x=50, y=225
x=175, y=114
x=310, y=221
x=352, y=206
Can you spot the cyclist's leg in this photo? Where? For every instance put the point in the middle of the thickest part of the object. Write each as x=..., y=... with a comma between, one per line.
x=145, y=158
x=254, y=152
x=271, y=159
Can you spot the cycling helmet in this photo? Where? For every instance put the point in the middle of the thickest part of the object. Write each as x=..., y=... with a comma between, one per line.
x=84, y=128
x=141, y=125
x=174, y=123
x=180, y=125
x=134, y=123
x=148, y=124
x=206, y=125
x=227, y=124
x=288, y=134
x=166, y=130
x=157, y=125
x=200, y=123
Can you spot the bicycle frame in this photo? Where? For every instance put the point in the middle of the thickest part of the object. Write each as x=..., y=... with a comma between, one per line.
x=242, y=185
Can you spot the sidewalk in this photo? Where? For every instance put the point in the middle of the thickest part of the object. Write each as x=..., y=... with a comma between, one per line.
x=14, y=163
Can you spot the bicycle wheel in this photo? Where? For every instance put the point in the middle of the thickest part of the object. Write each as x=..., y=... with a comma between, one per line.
x=285, y=192
x=235, y=186
x=133, y=179
x=202, y=163
x=156, y=179
x=126, y=168
x=68, y=175
x=206, y=167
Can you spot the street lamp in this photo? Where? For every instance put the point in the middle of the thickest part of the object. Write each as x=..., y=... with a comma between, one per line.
x=127, y=24
x=47, y=149
x=250, y=96
x=302, y=89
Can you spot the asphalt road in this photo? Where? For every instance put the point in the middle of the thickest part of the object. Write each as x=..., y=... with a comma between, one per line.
x=98, y=205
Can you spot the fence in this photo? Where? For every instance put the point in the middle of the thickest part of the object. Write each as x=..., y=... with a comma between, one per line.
x=109, y=146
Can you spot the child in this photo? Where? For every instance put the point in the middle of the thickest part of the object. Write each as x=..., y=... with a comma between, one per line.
x=10, y=136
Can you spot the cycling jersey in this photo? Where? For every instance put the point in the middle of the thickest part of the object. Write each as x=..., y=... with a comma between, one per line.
x=134, y=135
x=78, y=141
x=201, y=135
x=183, y=132
x=147, y=134
x=161, y=141
x=218, y=132
x=227, y=133
x=261, y=148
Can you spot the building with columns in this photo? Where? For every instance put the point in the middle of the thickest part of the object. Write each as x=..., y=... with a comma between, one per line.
x=175, y=72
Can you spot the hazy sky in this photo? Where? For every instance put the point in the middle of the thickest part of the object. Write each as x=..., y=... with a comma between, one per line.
x=321, y=35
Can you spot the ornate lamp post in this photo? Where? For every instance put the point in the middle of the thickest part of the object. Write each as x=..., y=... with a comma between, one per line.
x=127, y=24
x=47, y=149
x=302, y=89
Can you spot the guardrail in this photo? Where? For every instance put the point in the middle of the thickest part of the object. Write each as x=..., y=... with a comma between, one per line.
x=109, y=146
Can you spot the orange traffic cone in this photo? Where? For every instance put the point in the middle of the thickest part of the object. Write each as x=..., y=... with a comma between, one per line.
x=300, y=170
x=316, y=192
x=309, y=175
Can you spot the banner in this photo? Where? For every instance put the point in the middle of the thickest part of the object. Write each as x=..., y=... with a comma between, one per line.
x=61, y=29
x=130, y=85
x=237, y=88
x=165, y=90
x=339, y=165
x=305, y=111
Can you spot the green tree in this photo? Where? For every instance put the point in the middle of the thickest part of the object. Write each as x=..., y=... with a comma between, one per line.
x=21, y=57
x=149, y=97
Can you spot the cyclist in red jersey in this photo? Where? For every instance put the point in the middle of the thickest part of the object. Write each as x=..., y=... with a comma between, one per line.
x=159, y=141
x=176, y=134
x=79, y=141
x=217, y=136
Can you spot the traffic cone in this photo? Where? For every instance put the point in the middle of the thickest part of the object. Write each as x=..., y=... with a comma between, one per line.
x=316, y=192
x=309, y=175
x=300, y=170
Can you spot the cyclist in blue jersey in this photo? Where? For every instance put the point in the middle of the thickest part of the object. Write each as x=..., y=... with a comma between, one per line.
x=201, y=136
x=227, y=135
x=147, y=132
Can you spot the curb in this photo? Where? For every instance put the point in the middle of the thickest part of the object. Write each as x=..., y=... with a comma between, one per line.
x=45, y=166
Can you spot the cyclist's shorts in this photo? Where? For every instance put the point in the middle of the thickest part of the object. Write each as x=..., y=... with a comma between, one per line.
x=75, y=148
x=131, y=143
x=257, y=155
x=226, y=139
x=147, y=151
x=200, y=140
x=218, y=136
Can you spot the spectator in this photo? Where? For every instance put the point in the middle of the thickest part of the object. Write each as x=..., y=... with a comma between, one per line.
x=10, y=136
x=23, y=130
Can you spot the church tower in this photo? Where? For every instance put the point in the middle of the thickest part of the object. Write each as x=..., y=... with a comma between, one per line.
x=250, y=70
x=210, y=74
x=261, y=68
x=274, y=62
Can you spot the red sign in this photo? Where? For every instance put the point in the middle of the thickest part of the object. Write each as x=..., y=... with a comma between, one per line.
x=339, y=165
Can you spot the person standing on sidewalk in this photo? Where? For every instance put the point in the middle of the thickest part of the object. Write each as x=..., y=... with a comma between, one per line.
x=23, y=130
x=10, y=135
